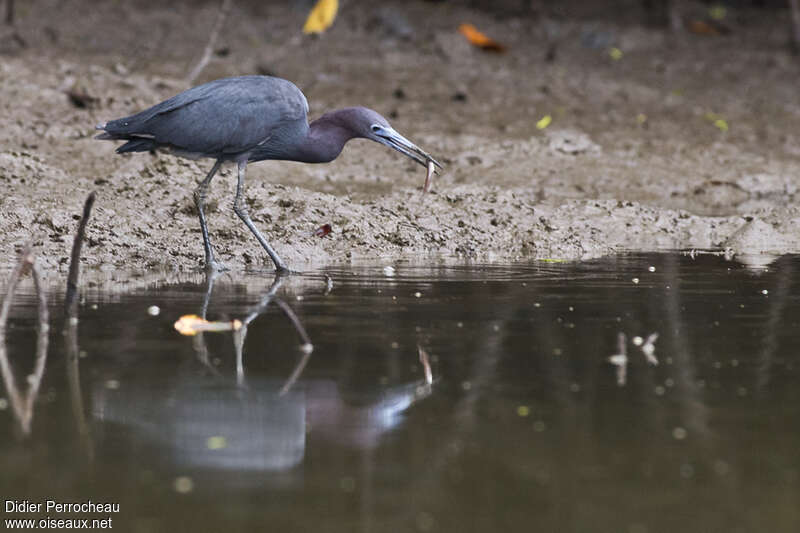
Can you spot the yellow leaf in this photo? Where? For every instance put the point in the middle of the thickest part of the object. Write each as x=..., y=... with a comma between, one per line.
x=719, y=122
x=193, y=324
x=544, y=122
x=717, y=12
x=615, y=53
x=321, y=16
x=217, y=442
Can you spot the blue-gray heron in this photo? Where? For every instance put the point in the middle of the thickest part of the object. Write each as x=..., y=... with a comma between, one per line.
x=246, y=119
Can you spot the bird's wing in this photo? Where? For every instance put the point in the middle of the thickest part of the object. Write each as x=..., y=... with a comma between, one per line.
x=223, y=117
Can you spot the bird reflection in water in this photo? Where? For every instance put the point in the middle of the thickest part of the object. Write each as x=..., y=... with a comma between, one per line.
x=208, y=422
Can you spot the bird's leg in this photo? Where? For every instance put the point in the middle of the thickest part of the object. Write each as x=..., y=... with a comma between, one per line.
x=241, y=210
x=199, y=202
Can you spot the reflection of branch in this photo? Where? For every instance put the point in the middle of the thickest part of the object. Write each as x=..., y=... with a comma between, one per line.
x=777, y=304
x=620, y=359
x=426, y=365
x=22, y=405
x=71, y=329
x=224, y=9
x=24, y=261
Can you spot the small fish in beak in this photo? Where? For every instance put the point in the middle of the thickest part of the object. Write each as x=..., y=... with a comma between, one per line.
x=428, y=180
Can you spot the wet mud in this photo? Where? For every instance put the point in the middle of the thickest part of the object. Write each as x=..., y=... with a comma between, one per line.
x=679, y=141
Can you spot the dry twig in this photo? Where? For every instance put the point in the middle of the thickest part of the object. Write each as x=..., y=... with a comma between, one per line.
x=222, y=15
x=22, y=404
x=71, y=299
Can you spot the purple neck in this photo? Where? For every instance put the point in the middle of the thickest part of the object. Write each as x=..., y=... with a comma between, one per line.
x=326, y=137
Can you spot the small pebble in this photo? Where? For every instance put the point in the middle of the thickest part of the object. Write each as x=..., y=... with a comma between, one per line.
x=216, y=442
x=765, y=292
x=679, y=433
x=183, y=484
x=347, y=484
x=652, y=269
x=635, y=280
x=388, y=271
x=417, y=295
x=637, y=341
x=425, y=521
x=153, y=310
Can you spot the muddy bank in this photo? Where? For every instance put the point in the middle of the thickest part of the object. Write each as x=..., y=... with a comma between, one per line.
x=635, y=158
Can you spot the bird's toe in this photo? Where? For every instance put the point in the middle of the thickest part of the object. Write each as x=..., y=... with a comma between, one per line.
x=214, y=266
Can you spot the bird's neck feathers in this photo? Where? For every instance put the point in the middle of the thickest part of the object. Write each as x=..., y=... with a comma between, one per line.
x=327, y=136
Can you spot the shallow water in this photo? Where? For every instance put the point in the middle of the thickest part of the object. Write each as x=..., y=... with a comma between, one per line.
x=527, y=426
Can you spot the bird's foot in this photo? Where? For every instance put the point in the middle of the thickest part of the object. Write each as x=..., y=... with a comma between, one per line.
x=214, y=267
x=283, y=270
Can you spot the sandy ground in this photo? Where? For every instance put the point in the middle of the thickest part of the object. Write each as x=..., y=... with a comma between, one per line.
x=636, y=157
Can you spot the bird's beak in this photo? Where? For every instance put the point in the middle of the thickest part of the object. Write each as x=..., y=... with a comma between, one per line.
x=392, y=139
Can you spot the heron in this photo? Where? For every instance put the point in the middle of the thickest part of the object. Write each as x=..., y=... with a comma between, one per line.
x=246, y=119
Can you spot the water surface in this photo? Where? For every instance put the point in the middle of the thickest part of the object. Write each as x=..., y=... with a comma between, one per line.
x=527, y=426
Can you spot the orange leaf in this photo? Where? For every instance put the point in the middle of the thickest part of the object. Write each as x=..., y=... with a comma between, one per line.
x=479, y=39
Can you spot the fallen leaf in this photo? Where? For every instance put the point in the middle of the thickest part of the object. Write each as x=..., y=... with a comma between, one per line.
x=544, y=122
x=717, y=12
x=192, y=325
x=615, y=53
x=321, y=16
x=706, y=27
x=322, y=230
x=719, y=122
x=479, y=39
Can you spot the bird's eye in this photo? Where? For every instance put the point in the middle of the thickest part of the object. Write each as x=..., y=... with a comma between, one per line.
x=376, y=128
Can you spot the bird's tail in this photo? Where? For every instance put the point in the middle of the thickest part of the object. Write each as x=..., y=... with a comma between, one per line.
x=136, y=143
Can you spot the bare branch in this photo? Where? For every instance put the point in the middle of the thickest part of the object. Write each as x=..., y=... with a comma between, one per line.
x=794, y=6
x=71, y=300
x=222, y=15
x=9, y=12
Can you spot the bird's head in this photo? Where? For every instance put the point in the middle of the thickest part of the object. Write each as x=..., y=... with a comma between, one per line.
x=369, y=124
